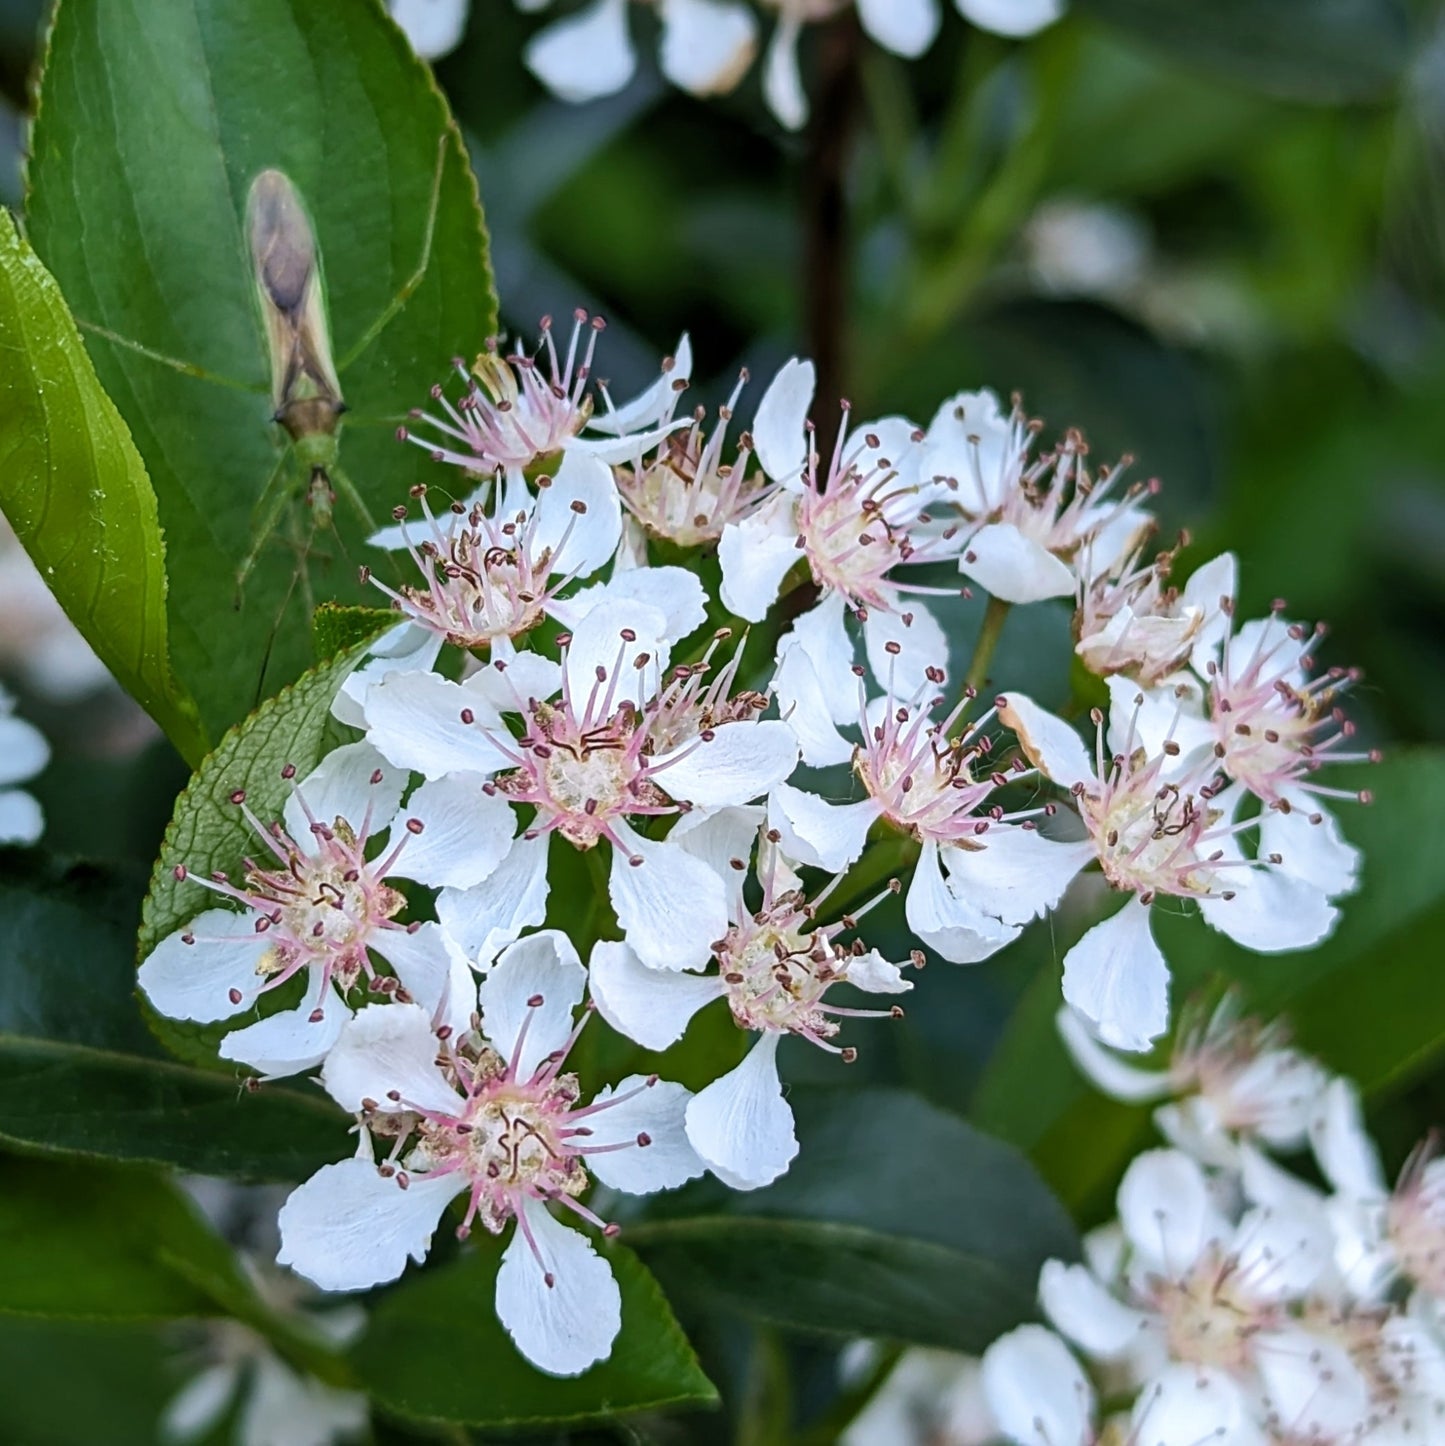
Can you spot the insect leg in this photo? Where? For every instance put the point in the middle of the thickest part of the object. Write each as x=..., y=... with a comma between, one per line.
x=408, y=286
x=264, y=517
x=346, y=488
x=185, y=368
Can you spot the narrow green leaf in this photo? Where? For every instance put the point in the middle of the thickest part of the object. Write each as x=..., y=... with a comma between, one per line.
x=896, y=1220
x=157, y=115
x=209, y=833
x=448, y=1358
x=1369, y=1000
x=80, y=1074
x=76, y=492
x=1322, y=51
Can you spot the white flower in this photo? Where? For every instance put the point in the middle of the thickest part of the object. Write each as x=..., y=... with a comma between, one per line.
x=1158, y=827
x=622, y=743
x=1229, y=1078
x=1195, y=1289
x=434, y=27
x=706, y=47
x=1129, y=621
x=982, y=873
x=1036, y=527
x=490, y=579
x=775, y=965
x=319, y=905
x=931, y=1398
x=23, y=753
x=1036, y=1391
x=851, y=527
x=491, y=1117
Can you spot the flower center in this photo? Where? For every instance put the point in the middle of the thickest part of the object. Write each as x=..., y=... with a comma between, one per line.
x=849, y=545
x=1148, y=834
x=776, y=976
x=1205, y=1322
x=1416, y=1224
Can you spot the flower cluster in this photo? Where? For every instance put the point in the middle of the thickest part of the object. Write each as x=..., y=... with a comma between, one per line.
x=556, y=702
x=1231, y=1300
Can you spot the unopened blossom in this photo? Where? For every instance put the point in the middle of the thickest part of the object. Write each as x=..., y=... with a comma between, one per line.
x=1034, y=526
x=1198, y=1289
x=316, y=905
x=1130, y=621
x=775, y=967
x=494, y=1117
x=983, y=873
x=1160, y=824
x=24, y=752
x=1229, y=1079
x=851, y=524
x=489, y=578
x=608, y=740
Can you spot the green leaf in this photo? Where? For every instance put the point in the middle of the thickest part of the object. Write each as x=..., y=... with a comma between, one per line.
x=156, y=115
x=896, y=1220
x=1369, y=1000
x=75, y=490
x=1322, y=51
x=208, y=833
x=335, y=629
x=79, y=1072
x=448, y=1358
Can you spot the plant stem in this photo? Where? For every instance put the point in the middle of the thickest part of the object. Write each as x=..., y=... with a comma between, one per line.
x=983, y=650
x=826, y=270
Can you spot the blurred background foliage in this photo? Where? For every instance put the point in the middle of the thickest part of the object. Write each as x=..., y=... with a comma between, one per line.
x=1210, y=237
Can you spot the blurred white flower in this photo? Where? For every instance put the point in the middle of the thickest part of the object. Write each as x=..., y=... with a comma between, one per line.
x=23, y=753
x=1081, y=248
x=434, y=27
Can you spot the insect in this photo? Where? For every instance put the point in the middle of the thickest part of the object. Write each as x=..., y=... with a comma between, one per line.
x=307, y=400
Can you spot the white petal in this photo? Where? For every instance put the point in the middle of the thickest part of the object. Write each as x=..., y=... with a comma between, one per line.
x=741, y=1125
x=1212, y=588
x=1188, y=1404
x=1077, y=1303
x=563, y=1309
x=1313, y=1385
x=534, y=986
x=601, y=667
x=782, y=80
x=819, y=834
x=200, y=1403
x=1280, y=1253
x=1050, y=743
x=288, y=1042
x=580, y=541
x=673, y=591
x=1011, y=17
x=780, y=440
x=1116, y=977
x=194, y=981
x=706, y=44
x=415, y=720
x=952, y=926
x=756, y=554
x=971, y=443
x=1105, y=1070
x=1017, y=875
x=23, y=750
x=651, y=1006
x=1270, y=912
x=723, y=839
x=349, y=1228
x=906, y=27
x=1036, y=1390
x=485, y=919
x=465, y=832
x=822, y=634
x=655, y=1113
x=1147, y=718
x=737, y=763
x=505, y=685
x=1318, y=853
x=585, y=56
x=651, y=406
x=434, y=971
x=672, y=907
x=804, y=705
x=874, y=974
x=1167, y=1212
x=285, y=1409
x=434, y=27
x=22, y=820
x=406, y=648
x=345, y=785
x=1014, y=568
x=386, y=1049
x=921, y=644
x=1342, y=1145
